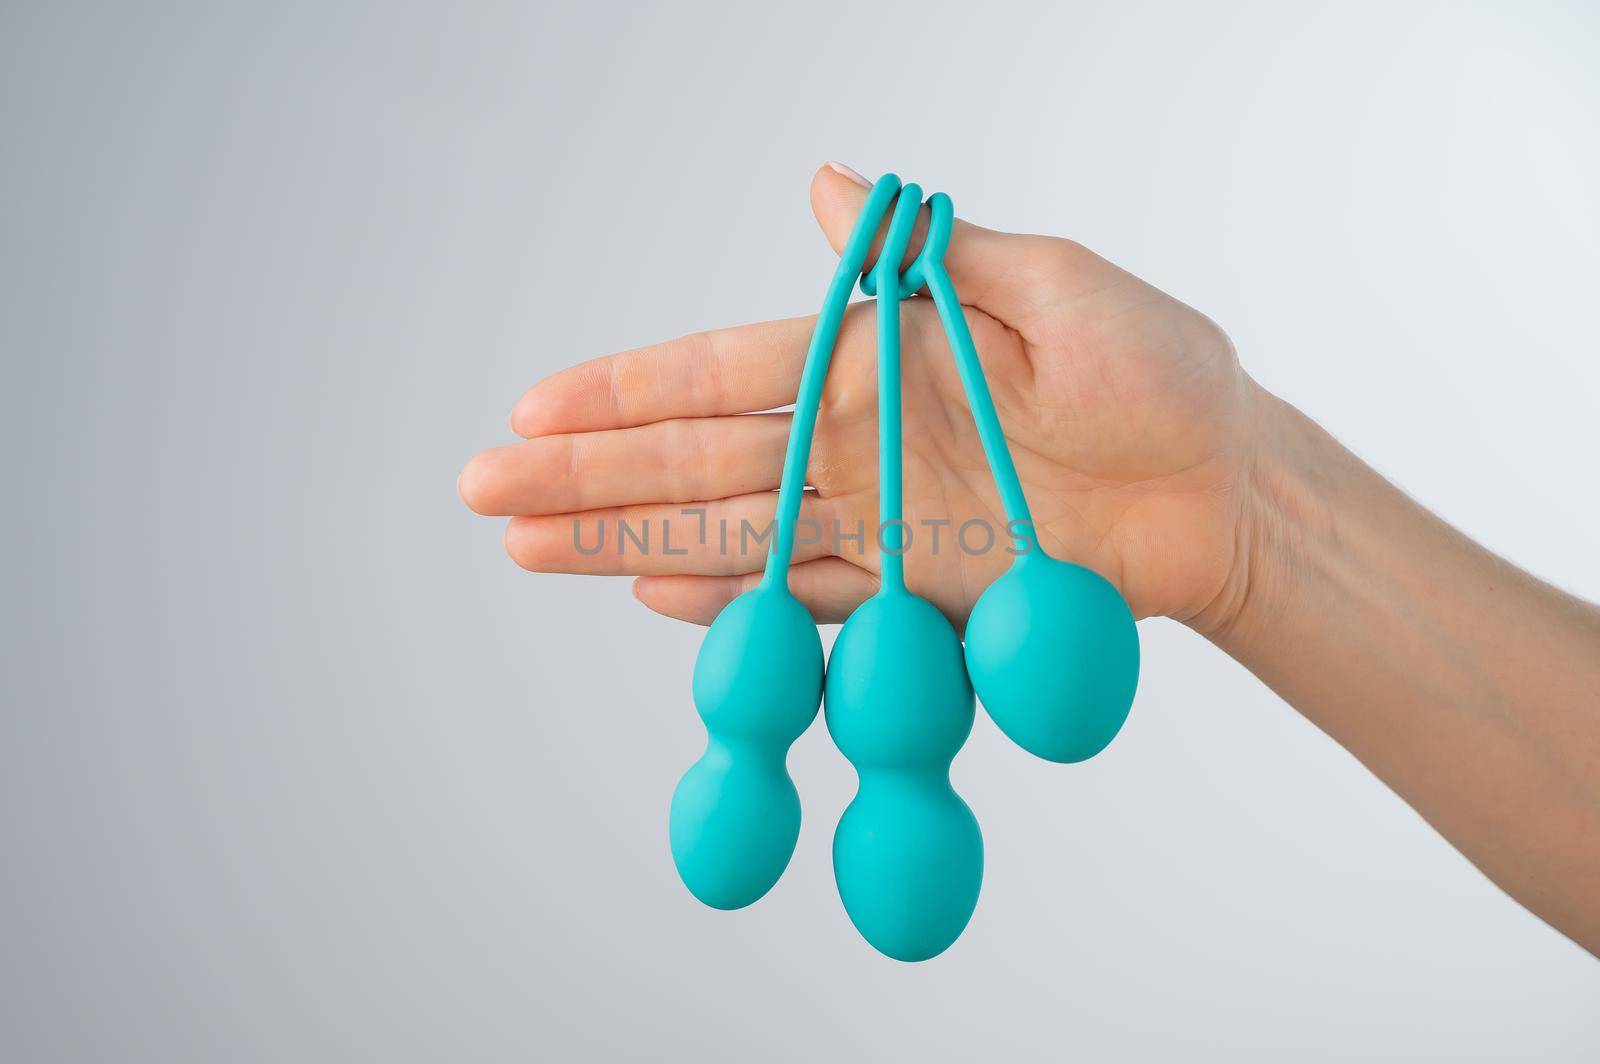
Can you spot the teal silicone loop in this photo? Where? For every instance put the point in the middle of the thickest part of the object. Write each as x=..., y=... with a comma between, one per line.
x=990, y=434
x=926, y=270
x=890, y=462
x=819, y=355
x=933, y=248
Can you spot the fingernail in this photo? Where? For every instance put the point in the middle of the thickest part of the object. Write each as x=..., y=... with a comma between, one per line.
x=841, y=168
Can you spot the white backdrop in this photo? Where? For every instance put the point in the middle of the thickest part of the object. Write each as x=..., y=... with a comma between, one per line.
x=296, y=764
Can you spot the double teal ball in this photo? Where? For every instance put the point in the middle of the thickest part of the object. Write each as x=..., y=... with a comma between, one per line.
x=907, y=855
x=757, y=685
x=1054, y=657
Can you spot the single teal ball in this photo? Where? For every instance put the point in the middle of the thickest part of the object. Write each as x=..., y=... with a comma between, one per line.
x=908, y=854
x=757, y=684
x=1054, y=657
x=909, y=866
x=897, y=689
x=733, y=826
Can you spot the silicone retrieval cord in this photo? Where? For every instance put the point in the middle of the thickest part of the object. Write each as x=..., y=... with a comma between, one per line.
x=1019, y=520
x=791, y=488
x=891, y=526
x=927, y=269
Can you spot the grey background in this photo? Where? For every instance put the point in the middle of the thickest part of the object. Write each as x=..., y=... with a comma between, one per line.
x=296, y=765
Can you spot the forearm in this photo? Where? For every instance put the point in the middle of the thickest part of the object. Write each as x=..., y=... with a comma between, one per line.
x=1468, y=686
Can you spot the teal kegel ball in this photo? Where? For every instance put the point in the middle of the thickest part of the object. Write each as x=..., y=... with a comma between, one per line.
x=908, y=855
x=1054, y=657
x=757, y=685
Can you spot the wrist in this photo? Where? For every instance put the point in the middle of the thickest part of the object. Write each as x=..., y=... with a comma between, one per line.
x=1290, y=480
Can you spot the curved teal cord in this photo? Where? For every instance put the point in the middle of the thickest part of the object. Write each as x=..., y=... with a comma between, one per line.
x=933, y=249
x=890, y=495
x=990, y=434
x=927, y=269
x=815, y=374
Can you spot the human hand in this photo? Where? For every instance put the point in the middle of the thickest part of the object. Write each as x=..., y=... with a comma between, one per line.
x=1130, y=421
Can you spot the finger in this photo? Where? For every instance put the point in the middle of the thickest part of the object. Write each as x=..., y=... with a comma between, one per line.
x=725, y=537
x=670, y=461
x=725, y=371
x=1009, y=276
x=830, y=588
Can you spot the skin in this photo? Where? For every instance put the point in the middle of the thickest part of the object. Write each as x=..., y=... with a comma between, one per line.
x=1469, y=687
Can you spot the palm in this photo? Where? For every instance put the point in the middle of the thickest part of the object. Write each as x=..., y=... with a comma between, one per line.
x=1125, y=412
x=1115, y=418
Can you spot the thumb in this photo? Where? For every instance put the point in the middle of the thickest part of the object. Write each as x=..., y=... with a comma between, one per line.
x=1007, y=276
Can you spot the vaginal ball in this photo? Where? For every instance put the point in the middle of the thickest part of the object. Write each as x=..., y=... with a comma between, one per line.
x=757, y=685
x=907, y=855
x=1053, y=654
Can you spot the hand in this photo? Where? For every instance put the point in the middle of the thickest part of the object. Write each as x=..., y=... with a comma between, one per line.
x=1468, y=686
x=1130, y=421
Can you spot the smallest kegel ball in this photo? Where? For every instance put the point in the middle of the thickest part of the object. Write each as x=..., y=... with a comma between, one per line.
x=1053, y=654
